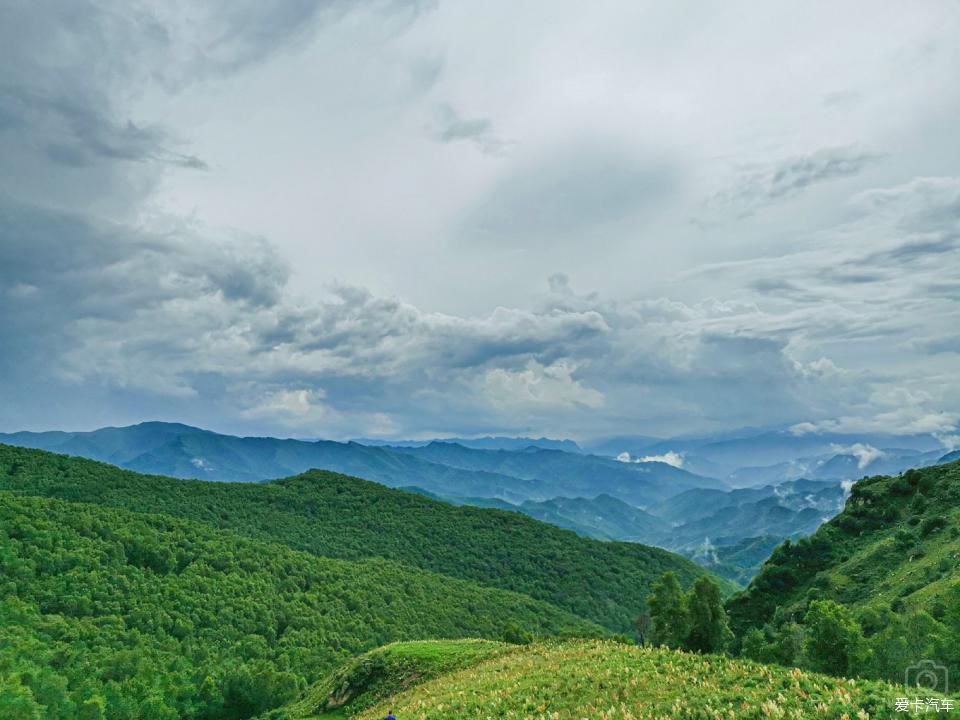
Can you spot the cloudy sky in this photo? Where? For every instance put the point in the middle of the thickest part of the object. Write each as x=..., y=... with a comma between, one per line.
x=414, y=218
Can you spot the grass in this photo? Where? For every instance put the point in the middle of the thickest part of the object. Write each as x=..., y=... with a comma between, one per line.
x=374, y=676
x=604, y=680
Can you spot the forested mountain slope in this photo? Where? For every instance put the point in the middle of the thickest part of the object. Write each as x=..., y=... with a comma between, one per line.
x=129, y=616
x=897, y=541
x=881, y=581
x=337, y=516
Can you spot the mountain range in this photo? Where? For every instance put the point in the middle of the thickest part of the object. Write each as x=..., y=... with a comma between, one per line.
x=644, y=490
x=753, y=456
x=440, y=467
x=128, y=595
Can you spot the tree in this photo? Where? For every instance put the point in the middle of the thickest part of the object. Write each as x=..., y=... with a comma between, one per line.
x=708, y=629
x=93, y=708
x=755, y=646
x=668, y=612
x=515, y=636
x=834, y=641
x=16, y=701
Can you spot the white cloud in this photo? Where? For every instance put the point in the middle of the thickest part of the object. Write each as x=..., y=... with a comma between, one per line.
x=669, y=458
x=537, y=387
x=950, y=442
x=864, y=453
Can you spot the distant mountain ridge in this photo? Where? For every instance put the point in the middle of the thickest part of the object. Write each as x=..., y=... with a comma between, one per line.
x=756, y=456
x=448, y=469
x=572, y=475
x=487, y=442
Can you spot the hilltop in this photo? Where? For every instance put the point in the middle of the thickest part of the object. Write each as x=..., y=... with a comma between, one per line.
x=580, y=679
x=342, y=517
x=371, y=678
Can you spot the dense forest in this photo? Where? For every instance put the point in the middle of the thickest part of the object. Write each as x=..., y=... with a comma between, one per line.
x=338, y=516
x=109, y=613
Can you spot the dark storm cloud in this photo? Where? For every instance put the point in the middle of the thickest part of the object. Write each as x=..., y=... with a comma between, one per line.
x=70, y=71
x=61, y=138
x=112, y=270
x=169, y=317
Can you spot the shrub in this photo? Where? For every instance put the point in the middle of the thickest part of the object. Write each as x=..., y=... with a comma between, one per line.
x=932, y=524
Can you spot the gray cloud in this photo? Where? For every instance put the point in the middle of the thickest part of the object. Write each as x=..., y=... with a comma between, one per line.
x=452, y=128
x=759, y=186
x=585, y=186
x=225, y=37
x=940, y=345
x=128, y=296
x=176, y=320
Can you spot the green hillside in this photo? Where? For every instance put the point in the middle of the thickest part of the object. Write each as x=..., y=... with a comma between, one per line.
x=897, y=542
x=573, y=680
x=373, y=677
x=891, y=563
x=106, y=613
x=337, y=516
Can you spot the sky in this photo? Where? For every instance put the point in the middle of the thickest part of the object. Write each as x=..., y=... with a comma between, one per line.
x=404, y=218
